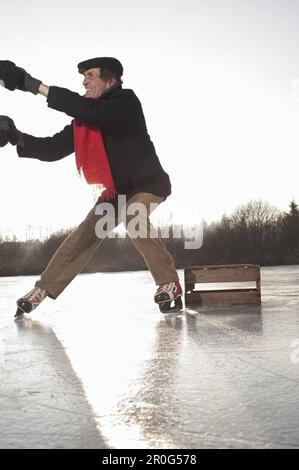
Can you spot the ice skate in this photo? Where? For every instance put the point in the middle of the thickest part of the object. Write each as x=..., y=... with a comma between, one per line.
x=30, y=301
x=168, y=296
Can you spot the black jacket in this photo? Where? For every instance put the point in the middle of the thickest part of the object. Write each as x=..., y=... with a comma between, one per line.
x=133, y=161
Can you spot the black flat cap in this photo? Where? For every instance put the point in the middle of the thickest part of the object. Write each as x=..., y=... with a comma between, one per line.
x=109, y=63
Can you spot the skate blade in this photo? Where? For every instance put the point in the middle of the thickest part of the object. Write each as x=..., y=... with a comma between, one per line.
x=19, y=314
x=171, y=307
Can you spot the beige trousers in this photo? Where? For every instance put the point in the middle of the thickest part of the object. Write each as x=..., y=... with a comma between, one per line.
x=76, y=250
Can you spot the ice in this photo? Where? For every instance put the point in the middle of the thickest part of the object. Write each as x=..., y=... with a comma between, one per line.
x=101, y=367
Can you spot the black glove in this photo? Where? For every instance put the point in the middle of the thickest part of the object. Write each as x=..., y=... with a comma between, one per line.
x=14, y=77
x=9, y=132
x=11, y=75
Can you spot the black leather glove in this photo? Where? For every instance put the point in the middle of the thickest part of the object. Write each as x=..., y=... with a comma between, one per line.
x=9, y=132
x=14, y=77
x=11, y=75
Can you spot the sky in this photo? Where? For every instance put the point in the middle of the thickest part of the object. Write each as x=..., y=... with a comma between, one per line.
x=218, y=81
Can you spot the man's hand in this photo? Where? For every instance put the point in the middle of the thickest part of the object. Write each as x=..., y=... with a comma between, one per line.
x=9, y=132
x=14, y=77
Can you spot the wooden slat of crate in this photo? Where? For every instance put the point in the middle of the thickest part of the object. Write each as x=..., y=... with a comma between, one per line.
x=222, y=273
x=218, y=297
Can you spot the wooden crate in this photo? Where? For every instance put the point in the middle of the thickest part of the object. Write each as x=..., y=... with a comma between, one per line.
x=230, y=273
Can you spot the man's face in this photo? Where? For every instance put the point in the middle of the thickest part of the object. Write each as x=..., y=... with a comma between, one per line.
x=93, y=83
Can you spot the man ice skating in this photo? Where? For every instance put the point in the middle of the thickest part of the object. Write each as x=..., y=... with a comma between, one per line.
x=113, y=149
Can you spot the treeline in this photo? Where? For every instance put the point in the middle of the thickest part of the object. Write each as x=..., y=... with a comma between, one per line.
x=255, y=233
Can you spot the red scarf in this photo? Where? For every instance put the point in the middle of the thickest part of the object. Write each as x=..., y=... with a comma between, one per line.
x=91, y=158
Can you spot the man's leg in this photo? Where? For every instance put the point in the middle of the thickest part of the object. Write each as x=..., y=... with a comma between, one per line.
x=69, y=259
x=72, y=255
x=157, y=257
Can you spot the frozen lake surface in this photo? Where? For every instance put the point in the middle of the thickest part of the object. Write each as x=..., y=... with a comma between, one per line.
x=100, y=367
